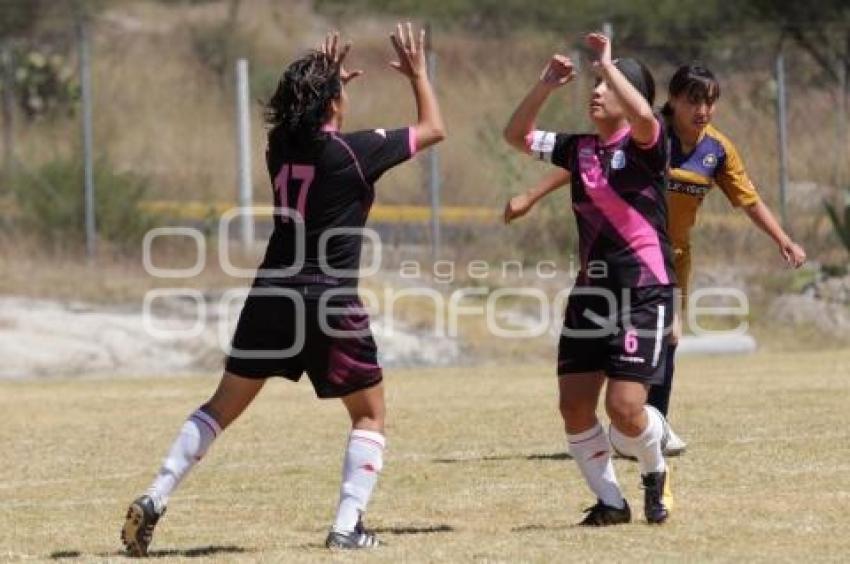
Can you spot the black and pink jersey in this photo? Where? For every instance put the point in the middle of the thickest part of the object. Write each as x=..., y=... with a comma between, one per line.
x=619, y=193
x=323, y=193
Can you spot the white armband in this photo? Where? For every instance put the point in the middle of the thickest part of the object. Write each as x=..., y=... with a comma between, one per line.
x=542, y=144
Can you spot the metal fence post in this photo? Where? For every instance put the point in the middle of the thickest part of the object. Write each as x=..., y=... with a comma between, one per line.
x=840, y=166
x=243, y=141
x=782, y=129
x=433, y=157
x=7, y=78
x=83, y=40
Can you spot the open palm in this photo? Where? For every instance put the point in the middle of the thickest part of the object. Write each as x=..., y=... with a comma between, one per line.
x=331, y=48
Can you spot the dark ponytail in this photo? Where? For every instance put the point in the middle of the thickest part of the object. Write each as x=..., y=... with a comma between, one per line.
x=694, y=81
x=301, y=105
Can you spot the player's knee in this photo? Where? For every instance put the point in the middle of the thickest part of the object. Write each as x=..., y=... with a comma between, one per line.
x=625, y=413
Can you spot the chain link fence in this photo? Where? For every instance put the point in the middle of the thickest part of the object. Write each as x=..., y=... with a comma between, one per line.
x=164, y=128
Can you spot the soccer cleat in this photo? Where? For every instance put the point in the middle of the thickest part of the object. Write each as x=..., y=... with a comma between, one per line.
x=357, y=539
x=675, y=445
x=601, y=515
x=137, y=533
x=654, y=491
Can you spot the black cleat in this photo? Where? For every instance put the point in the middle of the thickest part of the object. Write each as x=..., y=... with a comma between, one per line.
x=138, y=528
x=653, y=497
x=601, y=515
x=357, y=539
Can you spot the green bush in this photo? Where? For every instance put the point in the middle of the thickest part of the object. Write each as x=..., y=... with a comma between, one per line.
x=45, y=84
x=50, y=202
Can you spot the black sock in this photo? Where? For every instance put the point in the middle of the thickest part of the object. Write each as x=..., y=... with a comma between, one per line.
x=659, y=395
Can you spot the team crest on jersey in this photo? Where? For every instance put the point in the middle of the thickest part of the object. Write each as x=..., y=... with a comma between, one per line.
x=710, y=160
x=618, y=159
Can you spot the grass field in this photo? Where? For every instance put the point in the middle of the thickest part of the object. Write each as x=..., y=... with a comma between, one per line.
x=474, y=469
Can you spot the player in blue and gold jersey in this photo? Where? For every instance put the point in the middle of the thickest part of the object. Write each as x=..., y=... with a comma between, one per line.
x=701, y=156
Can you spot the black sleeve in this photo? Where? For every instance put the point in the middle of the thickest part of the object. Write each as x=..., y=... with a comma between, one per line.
x=557, y=148
x=565, y=150
x=656, y=155
x=378, y=150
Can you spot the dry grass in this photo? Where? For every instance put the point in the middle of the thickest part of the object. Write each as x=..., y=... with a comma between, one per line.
x=160, y=112
x=474, y=469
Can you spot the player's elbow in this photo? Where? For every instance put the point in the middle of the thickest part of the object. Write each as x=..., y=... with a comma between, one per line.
x=514, y=138
x=438, y=132
x=434, y=133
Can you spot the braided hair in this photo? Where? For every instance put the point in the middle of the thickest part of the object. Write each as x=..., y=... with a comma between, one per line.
x=301, y=104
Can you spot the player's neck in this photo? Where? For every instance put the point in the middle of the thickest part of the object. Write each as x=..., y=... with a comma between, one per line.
x=688, y=136
x=333, y=124
x=609, y=128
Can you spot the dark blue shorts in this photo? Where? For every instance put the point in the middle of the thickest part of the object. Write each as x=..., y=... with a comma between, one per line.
x=286, y=331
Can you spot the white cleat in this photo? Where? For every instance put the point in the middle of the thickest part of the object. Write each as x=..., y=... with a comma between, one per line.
x=675, y=445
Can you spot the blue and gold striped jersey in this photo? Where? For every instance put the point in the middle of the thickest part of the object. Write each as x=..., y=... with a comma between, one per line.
x=714, y=160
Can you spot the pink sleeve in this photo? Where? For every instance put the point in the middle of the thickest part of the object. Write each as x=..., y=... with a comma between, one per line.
x=529, y=139
x=655, y=136
x=411, y=139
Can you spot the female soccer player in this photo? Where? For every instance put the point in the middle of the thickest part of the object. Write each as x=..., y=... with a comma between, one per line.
x=700, y=157
x=621, y=308
x=303, y=313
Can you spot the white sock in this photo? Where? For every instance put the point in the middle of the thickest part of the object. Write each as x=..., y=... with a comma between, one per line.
x=195, y=438
x=646, y=447
x=364, y=459
x=590, y=449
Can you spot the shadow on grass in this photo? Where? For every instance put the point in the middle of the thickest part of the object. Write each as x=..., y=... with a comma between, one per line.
x=414, y=530
x=503, y=457
x=211, y=550
x=540, y=527
x=198, y=552
x=393, y=530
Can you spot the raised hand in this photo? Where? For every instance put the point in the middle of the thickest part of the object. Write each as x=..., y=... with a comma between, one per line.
x=559, y=71
x=601, y=46
x=410, y=51
x=331, y=48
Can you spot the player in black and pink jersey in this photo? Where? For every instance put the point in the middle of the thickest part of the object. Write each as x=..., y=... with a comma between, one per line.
x=619, y=313
x=303, y=313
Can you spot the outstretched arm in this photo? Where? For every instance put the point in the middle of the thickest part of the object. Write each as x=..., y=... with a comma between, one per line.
x=558, y=72
x=412, y=64
x=762, y=217
x=644, y=126
x=521, y=204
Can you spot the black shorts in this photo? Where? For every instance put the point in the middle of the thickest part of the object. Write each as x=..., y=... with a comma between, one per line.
x=285, y=331
x=623, y=333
